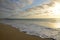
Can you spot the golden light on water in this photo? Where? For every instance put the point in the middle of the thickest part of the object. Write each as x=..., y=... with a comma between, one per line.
x=57, y=25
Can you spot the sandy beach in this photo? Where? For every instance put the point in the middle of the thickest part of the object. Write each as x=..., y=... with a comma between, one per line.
x=7, y=32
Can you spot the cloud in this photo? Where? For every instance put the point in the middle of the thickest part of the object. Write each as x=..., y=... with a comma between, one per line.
x=30, y=1
x=16, y=5
x=44, y=9
x=23, y=3
x=26, y=2
x=41, y=9
x=12, y=7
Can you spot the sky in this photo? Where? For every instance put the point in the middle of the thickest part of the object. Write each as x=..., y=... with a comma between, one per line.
x=36, y=3
x=13, y=7
x=21, y=4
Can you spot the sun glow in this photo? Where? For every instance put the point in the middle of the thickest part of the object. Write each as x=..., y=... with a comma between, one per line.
x=55, y=10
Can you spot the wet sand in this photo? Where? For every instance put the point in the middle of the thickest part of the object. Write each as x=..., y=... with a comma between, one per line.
x=7, y=32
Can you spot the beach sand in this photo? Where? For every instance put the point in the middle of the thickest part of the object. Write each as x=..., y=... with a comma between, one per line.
x=7, y=32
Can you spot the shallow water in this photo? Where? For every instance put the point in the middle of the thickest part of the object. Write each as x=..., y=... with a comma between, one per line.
x=46, y=22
